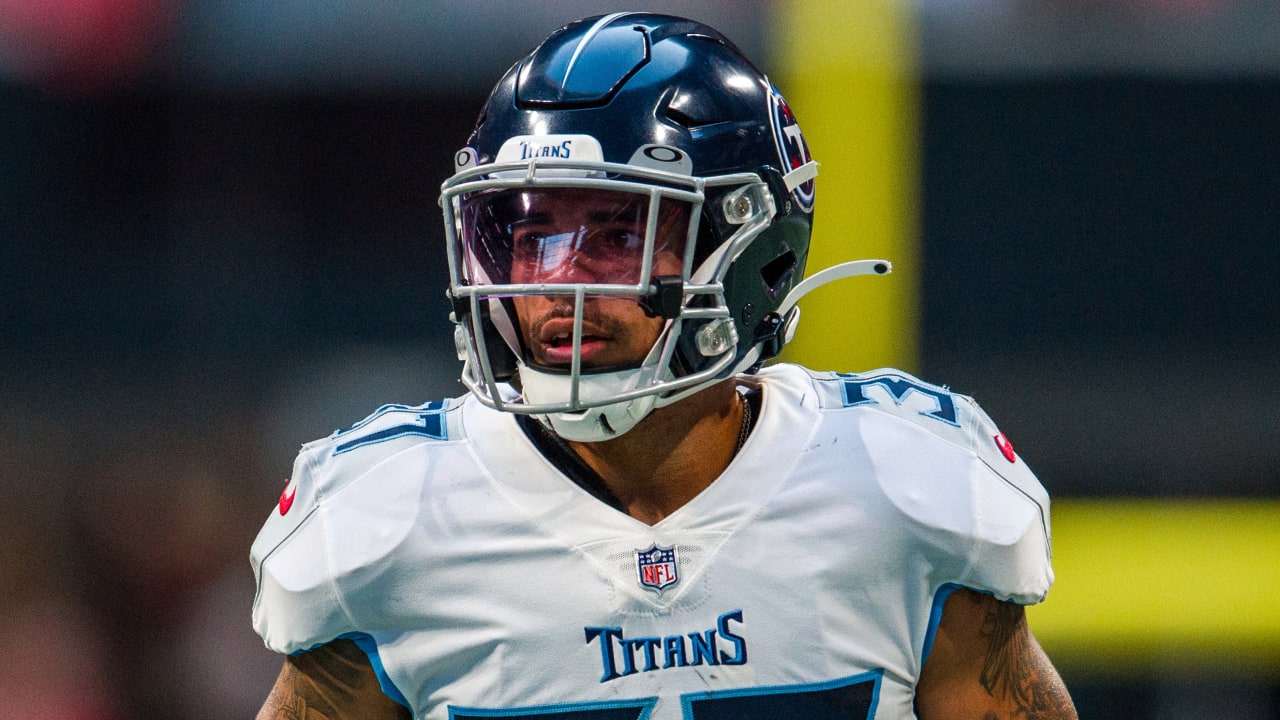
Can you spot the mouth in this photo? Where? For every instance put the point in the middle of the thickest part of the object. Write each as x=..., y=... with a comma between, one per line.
x=557, y=349
x=555, y=342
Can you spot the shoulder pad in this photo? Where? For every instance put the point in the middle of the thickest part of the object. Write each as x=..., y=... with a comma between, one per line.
x=978, y=493
x=390, y=423
x=932, y=407
x=952, y=416
x=347, y=454
x=297, y=603
x=325, y=466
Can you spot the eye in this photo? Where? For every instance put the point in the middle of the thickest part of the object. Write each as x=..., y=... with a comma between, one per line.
x=528, y=242
x=618, y=240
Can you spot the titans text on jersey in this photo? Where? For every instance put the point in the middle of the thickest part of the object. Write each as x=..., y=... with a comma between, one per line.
x=622, y=655
x=484, y=583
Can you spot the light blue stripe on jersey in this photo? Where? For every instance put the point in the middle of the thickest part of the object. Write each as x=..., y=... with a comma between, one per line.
x=370, y=647
x=935, y=617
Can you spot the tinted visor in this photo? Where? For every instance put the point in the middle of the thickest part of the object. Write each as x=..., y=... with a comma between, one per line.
x=568, y=236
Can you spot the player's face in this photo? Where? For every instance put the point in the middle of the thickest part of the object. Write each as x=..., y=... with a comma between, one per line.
x=582, y=236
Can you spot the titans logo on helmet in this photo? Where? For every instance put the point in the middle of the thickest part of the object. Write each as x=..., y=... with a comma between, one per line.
x=792, y=149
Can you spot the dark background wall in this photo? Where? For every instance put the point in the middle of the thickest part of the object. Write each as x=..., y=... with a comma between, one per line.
x=1112, y=237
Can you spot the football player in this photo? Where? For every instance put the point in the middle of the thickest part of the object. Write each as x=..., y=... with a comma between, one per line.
x=630, y=515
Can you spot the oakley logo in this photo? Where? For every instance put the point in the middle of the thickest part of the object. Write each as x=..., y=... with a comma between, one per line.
x=662, y=157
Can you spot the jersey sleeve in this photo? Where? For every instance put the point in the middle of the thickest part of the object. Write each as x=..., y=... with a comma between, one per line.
x=327, y=558
x=297, y=606
x=978, y=514
x=1011, y=554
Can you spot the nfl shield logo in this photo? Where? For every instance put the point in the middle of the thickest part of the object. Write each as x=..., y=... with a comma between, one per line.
x=656, y=567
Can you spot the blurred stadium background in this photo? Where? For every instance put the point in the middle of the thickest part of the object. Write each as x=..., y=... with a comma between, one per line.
x=219, y=238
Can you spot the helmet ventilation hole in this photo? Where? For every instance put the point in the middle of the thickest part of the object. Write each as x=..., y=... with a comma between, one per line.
x=777, y=272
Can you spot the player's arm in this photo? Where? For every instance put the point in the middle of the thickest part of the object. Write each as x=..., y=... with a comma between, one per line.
x=333, y=682
x=986, y=665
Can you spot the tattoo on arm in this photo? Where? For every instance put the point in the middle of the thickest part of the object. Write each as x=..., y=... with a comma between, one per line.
x=332, y=682
x=1016, y=670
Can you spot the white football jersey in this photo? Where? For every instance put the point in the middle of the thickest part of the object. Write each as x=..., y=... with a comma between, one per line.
x=806, y=582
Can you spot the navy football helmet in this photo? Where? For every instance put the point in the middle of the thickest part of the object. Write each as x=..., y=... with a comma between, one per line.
x=701, y=195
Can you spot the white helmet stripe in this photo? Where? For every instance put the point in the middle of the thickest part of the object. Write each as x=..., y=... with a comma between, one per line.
x=601, y=24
